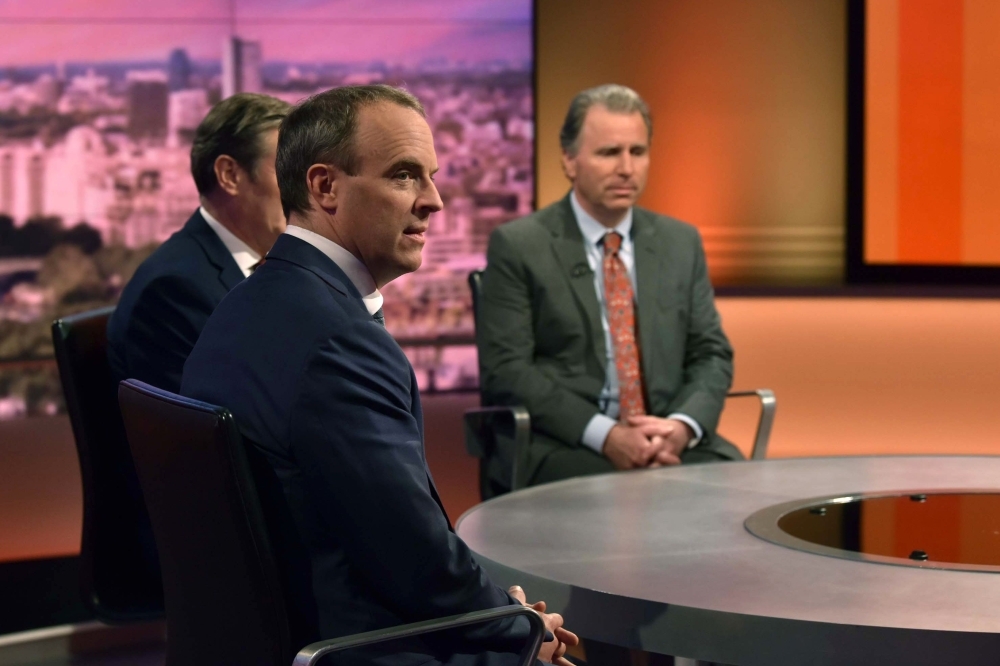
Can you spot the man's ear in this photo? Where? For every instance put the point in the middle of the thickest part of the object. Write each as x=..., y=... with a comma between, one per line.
x=228, y=174
x=569, y=165
x=323, y=181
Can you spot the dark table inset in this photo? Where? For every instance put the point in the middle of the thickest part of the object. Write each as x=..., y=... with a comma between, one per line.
x=940, y=529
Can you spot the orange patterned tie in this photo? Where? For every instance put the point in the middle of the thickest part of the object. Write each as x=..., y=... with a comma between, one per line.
x=621, y=320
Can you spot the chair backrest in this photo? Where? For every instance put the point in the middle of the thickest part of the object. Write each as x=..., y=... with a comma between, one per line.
x=224, y=600
x=120, y=572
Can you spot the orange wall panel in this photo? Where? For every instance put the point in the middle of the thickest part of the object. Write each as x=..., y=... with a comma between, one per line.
x=930, y=132
x=932, y=175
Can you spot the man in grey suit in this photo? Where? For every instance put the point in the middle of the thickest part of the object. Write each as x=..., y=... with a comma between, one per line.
x=599, y=316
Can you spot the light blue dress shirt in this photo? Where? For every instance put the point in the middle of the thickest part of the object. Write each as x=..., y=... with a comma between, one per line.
x=593, y=231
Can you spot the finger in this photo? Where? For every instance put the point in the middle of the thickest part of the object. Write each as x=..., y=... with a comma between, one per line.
x=640, y=419
x=566, y=636
x=652, y=429
x=668, y=458
x=562, y=661
x=539, y=606
x=516, y=592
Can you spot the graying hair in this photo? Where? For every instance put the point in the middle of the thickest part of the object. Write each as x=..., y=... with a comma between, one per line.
x=614, y=98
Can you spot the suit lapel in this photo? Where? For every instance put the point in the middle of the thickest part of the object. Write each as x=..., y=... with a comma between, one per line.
x=567, y=245
x=648, y=271
x=230, y=274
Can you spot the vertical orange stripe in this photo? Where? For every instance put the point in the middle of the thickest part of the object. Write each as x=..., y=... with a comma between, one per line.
x=981, y=111
x=930, y=131
x=882, y=132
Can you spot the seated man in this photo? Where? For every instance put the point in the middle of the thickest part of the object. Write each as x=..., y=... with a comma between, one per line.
x=328, y=402
x=598, y=316
x=166, y=303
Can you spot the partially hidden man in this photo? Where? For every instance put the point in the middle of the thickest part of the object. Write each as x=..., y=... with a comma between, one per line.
x=166, y=303
x=599, y=317
x=328, y=403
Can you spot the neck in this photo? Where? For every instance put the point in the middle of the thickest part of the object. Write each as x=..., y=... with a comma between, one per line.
x=323, y=224
x=227, y=215
x=609, y=218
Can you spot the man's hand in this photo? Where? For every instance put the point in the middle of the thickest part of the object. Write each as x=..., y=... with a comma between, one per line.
x=670, y=435
x=628, y=447
x=552, y=652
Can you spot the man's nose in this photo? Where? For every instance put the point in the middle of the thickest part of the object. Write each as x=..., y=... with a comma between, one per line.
x=430, y=200
x=625, y=164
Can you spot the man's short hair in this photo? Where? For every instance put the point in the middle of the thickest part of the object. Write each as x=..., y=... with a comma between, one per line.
x=321, y=130
x=234, y=127
x=613, y=97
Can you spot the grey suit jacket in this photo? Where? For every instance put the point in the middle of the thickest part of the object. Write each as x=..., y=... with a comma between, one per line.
x=539, y=331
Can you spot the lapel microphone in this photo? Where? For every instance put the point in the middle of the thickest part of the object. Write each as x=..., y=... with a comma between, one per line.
x=580, y=270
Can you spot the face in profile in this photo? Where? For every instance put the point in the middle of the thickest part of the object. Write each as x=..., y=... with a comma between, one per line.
x=386, y=205
x=260, y=199
x=611, y=162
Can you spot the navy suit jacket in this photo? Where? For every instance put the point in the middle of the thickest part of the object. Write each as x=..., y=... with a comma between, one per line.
x=166, y=303
x=329, y=402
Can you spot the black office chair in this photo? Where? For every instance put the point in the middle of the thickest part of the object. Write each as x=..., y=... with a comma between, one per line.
x=225, y=600
x=502, y=431
x=119, y=568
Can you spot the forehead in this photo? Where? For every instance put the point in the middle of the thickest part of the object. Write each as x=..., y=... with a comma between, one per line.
x=388, y=132
x=601, y=126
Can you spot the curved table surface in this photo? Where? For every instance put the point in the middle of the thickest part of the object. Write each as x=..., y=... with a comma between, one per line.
x=660, y=560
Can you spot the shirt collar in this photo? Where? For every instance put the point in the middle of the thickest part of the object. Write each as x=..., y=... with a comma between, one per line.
x=592, y=230
x=353, y=267
x=244, y=255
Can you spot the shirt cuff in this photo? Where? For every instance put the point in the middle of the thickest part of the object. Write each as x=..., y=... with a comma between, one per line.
x=597, y=431
x=684, y=418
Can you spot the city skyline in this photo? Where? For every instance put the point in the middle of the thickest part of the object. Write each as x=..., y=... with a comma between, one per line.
x=98, y=111
x=394, y=31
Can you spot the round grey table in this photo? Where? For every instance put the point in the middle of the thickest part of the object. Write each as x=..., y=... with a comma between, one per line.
x=660, y=560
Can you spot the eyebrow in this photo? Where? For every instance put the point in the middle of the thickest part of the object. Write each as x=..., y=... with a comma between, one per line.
x=407, y=163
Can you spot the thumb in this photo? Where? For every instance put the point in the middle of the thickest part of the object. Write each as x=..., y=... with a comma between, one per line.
x=516, y=592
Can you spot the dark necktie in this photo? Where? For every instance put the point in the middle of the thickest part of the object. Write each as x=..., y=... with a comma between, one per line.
x=379, y=318
x=621, y=320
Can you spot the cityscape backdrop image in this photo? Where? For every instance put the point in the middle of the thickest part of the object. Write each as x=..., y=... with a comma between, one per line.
x=99, y=102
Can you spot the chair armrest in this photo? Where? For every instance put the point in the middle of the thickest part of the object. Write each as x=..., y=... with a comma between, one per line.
x=311, y=654
x=483, y=423
x=768, y=406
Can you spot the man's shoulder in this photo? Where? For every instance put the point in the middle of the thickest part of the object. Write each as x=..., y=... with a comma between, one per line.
x=661, y=221
x=180, y=257
x=535, y=227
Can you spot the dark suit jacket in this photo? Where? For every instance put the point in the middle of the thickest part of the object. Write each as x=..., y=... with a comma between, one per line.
x=166, y=303
x=326, y=396
x=540, y=338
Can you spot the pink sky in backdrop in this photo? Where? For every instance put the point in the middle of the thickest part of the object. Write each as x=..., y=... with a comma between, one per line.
x=395, y=31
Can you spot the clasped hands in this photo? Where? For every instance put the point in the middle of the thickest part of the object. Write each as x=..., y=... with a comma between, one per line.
x=647, y=441
x=552, y=652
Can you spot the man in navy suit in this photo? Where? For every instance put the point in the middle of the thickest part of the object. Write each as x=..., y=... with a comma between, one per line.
x=299, y=353
x=165, y=305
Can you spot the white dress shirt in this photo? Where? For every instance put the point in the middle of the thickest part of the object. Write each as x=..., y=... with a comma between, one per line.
x=244, y=255
x=355, y=270
x=593, y=232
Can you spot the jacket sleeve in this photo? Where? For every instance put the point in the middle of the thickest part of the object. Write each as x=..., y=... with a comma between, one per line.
x=708, y=356
x=166, y=321
x=353, y=433
x=505, y=334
